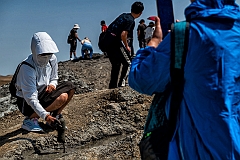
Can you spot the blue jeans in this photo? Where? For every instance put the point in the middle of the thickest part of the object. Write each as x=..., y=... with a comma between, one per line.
x=87, y=46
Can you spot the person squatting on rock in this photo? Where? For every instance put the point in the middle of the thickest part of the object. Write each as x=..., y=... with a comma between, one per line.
x=86, y=46
x=38, y=92
x=208, y=123
x=140, y=33
x=73, y=43
x=119, y=52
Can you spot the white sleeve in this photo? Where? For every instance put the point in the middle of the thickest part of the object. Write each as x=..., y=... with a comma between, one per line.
x=54, y=72
x=26, y=81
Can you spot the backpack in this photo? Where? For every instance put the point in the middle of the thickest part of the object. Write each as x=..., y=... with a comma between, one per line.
x=69, y=39
x=101, y=42
x=107, y=41
x=158, y=129
x=12, y=87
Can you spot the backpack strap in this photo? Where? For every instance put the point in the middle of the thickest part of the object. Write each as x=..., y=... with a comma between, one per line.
x=179, y=49
x=24, y=62
x=12, y=87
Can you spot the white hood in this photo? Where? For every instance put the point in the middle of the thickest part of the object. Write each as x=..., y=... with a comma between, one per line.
x=42, y=43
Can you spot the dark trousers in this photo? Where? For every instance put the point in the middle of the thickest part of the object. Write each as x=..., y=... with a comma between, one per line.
x=119, y=56
x=142, y=43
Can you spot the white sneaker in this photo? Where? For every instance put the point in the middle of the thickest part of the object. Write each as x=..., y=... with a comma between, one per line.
x=31, y=125
x=123, y=83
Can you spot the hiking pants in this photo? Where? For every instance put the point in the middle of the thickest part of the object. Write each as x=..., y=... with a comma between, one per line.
x=119, y=56
x=87, y=46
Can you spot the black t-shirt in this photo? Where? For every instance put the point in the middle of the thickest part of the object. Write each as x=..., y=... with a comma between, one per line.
x=72, y=32
x=130, y=33
x=141, y=28
x=124, y=22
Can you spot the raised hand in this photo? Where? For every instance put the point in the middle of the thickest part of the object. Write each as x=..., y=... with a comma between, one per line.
x=157, y=34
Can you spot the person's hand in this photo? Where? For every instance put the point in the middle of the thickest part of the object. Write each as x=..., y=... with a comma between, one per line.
x=157, y=34
x=50, y=88
x=128, y=49
x=50, y=119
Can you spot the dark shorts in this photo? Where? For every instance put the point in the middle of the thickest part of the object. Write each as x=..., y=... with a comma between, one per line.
x=44, y=98
x=73, y=46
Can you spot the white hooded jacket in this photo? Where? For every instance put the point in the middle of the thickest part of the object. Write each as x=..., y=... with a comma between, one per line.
x=31, y=82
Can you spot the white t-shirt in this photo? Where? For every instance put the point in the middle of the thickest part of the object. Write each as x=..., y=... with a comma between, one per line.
x=149, y=32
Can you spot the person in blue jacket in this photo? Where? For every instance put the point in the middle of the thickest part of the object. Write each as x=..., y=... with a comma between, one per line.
x=208, y=125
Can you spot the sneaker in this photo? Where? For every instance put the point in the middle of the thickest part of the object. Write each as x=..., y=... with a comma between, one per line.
x=123, y=84
x=31, y=125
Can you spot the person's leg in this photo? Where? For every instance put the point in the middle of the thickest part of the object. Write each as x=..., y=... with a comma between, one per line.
x=56, y=100
x=91, y=52
x=89, y=47
x=83, y=50
x=114, y=75
x=71, y=50
x=125, y=60
x=74, y=50
x=140, y=43
x=58, y=104
x=114, y=71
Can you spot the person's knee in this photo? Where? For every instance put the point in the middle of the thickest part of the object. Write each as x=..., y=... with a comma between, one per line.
x=62, y=98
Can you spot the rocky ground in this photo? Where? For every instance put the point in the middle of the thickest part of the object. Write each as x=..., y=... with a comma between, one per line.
x=102, y=123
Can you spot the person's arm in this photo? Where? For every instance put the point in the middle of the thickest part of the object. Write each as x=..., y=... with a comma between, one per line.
x=157, y=34
x=54, y=74
x=150, y=69
x=82, y=41
x=27, y=82
x=124, y=40
x=76, y=35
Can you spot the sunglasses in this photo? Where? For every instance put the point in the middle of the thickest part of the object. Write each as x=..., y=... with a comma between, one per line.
x=45, y=54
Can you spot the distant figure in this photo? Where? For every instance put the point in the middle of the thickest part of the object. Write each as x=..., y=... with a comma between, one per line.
x=104, y=26
x=86, y=46
x=104, y=29
x=149, y=32
x=38, y=92
x=140, y=32
x=73, y=43
x=119, y=49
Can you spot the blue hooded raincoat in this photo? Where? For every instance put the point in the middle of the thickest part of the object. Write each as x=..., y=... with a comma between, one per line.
x=208, y=126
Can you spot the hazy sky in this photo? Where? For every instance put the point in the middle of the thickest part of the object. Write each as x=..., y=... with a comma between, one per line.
x=20, y=19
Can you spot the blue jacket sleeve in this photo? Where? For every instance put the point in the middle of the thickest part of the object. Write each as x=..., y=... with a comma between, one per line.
x=150, y=69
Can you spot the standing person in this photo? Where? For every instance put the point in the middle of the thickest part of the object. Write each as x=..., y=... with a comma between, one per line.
x=73, y=43
x=38, y=92
x=104, y=29
x=149, y=32
x=104, y=26
x=208, y=123
x=86, y=46
x=140, y=32
x=119, y=50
